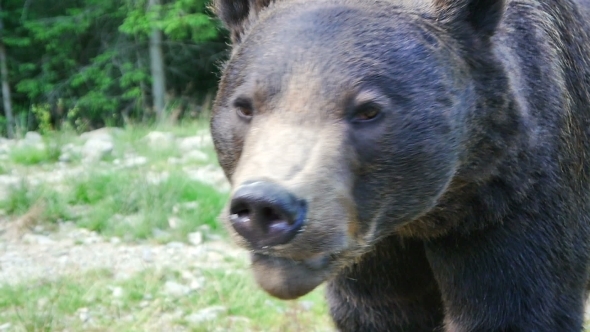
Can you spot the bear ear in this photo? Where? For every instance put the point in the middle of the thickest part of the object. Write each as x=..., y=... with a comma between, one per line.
x=483, y=16
x=236, y=14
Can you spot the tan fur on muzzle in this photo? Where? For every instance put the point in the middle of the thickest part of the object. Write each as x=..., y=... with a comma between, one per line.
x=309, y=161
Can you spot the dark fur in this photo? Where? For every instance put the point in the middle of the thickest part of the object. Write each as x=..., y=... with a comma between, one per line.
x=478, y=177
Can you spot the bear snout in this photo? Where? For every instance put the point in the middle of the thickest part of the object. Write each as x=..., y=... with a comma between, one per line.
x=266, y=214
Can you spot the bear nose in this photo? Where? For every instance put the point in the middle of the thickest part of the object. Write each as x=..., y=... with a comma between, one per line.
x=266, y=214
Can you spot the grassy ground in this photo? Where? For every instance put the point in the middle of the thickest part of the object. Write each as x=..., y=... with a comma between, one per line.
x=154, y=202
x=94, y=302
x=145, y=197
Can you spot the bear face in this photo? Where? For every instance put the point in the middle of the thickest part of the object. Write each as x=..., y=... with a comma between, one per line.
x=339, y=123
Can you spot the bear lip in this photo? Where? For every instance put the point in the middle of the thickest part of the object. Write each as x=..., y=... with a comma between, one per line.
x=289, y=279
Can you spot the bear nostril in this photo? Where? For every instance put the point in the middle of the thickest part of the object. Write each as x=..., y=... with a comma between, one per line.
x=265, y=214
x=272, y=222
x=240, y=213
x=269, y=217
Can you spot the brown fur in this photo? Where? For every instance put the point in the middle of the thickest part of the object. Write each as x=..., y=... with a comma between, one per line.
x=465, y=206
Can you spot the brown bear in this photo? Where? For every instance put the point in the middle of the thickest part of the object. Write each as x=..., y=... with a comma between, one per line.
x=430, y=161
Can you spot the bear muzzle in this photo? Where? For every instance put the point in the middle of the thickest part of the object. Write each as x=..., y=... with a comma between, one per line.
x=266, y=214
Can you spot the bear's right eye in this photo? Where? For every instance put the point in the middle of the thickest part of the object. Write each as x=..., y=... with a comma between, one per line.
x=244, y=108
x=366, y=112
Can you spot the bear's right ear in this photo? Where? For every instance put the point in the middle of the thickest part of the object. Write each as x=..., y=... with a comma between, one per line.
x=483, y=16
x=236, y=14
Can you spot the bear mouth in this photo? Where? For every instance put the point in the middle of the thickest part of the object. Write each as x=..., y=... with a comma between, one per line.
x=289, y=279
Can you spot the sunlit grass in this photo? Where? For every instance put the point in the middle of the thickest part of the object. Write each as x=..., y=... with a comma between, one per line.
x=95, y=301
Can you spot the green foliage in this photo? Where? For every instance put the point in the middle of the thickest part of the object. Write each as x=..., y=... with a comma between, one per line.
x=29, y=155
x=43, y=116
x=87, y=61
x=179, y=20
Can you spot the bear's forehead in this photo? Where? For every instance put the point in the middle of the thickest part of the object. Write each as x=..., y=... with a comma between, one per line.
x=330, y=22
x=324, y=34
x=314, y=56
x=276, y=69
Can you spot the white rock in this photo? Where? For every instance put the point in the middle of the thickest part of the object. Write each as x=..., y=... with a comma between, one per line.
x=205, y=314
x=32, y=140
x=159, y=140
x=194, y=142
x=33, y=137
x=37, y=239
x=134, y=161
x=84, y=314
x=159, y=234
x=147, y=255
x=210, y=175
x=63, y=260
x=175, y=245
x=9, y=180
x=96, y=149
x=195, y=155
x=188, y=275
x=197, y=283
x=117, y=292
x=174, y=222
x=195, y=238
x=5, y=326
x=65, y=157
x=5, y=145
x=174, y=289
x=69, y=152
x=92, y=239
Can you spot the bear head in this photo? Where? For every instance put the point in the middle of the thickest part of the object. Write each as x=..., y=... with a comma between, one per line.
x=340, y=122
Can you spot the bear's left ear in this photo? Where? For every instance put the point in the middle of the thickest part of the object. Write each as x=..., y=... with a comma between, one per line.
x=236, y=14
x=483, y=16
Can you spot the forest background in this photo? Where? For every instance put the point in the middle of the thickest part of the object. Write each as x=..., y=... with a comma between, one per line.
x=86, y=64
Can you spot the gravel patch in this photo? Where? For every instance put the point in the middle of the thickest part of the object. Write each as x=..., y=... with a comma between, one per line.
x=70, y=251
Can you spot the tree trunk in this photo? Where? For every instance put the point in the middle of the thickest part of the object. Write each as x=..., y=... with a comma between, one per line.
x=144, y=107
x=5, y=86
x=157, y=68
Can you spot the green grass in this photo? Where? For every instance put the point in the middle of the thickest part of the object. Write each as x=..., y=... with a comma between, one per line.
x=29, y=155
x=143, y=305
x=24, y=196
x=128, y=193
x=118, y=201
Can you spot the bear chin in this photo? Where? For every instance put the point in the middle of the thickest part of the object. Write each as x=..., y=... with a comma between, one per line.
x=289, y=279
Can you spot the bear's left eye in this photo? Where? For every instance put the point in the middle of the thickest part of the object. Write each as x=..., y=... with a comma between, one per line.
x=366, y=112
x=244, y=108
